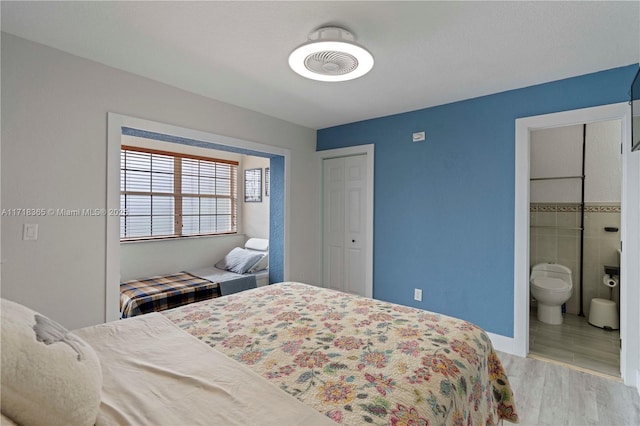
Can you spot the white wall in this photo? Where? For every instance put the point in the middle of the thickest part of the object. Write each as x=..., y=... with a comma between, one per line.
x=146, y=258
x=255, y=216
x=558, y=152
x=603, y=162
x=54, y=133
x=636, y=244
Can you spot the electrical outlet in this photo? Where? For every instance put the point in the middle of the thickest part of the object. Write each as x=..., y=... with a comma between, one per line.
x=417, y=294
x=419, y=136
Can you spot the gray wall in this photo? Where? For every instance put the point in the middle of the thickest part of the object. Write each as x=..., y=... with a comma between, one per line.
x=54, y=135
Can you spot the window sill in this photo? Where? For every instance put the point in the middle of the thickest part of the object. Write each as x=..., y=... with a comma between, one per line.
x=176, y=238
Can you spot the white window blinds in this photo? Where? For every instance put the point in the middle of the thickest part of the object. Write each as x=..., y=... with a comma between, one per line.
x=167, y=194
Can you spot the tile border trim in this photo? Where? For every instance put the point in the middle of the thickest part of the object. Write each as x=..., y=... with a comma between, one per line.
x=575, y=207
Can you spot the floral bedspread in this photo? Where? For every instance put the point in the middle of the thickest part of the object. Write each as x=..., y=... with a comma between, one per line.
x=358, y=360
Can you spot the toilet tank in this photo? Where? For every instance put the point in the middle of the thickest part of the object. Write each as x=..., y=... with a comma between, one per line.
x=552, y=270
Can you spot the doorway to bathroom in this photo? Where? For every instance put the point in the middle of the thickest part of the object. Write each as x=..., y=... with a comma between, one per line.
x=629, y=229
x=575, y=209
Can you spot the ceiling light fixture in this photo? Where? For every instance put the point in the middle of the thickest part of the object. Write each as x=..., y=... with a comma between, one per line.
x=331, y=55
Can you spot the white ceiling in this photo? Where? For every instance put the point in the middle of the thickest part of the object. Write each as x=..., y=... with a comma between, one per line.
x=426, y=53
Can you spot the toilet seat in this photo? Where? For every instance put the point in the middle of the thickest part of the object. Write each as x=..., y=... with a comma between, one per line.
x=550, y=284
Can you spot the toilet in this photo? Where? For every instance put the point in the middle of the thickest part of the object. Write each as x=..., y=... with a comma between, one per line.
x=551, y=286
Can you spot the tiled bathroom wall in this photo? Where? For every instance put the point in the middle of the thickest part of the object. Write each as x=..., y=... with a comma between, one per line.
x=555, y=237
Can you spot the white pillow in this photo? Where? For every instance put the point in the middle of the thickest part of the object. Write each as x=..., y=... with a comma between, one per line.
x=261, y=264
x=239, y=260
x=259, y=244
x=49, y=375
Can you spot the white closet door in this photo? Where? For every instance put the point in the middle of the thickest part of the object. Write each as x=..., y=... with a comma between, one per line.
x=344, y=233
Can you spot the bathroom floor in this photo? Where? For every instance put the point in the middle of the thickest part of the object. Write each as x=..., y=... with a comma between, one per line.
x=577, y=343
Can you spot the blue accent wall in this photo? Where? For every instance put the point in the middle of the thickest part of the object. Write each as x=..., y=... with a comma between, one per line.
x=444, y=208
x=191, y=142
x=276, y=223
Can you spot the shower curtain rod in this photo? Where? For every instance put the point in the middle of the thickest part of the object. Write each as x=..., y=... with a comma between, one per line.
x=584, y=145
x=559, y=177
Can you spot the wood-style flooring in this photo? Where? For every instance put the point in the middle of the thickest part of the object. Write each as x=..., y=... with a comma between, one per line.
x=550, y=394
x=576, y=342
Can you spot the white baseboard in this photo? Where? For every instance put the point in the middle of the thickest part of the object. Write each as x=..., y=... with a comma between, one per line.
x=504, y=344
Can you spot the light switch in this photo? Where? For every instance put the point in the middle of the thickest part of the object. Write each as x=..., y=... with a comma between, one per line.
x=30, y=232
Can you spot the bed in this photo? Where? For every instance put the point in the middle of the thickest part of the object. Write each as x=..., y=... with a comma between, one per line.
x=239, y=270
x=284, y=354
x=358, y=360
x=137, y=371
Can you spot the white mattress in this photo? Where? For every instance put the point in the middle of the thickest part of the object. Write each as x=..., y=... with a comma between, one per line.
x=216, y=275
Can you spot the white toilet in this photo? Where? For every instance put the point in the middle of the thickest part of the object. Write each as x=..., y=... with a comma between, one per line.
x=551, y=286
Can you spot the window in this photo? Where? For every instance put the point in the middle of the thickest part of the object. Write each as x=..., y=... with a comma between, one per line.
x=166, y=194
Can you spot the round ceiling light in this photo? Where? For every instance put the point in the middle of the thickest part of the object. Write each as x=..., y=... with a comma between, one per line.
x=331, y=55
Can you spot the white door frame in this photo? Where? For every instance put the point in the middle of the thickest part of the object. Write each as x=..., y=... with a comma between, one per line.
x=367, y=150
x=630, y=229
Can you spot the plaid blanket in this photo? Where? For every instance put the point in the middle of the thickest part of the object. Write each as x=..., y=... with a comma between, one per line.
x=164, y=292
